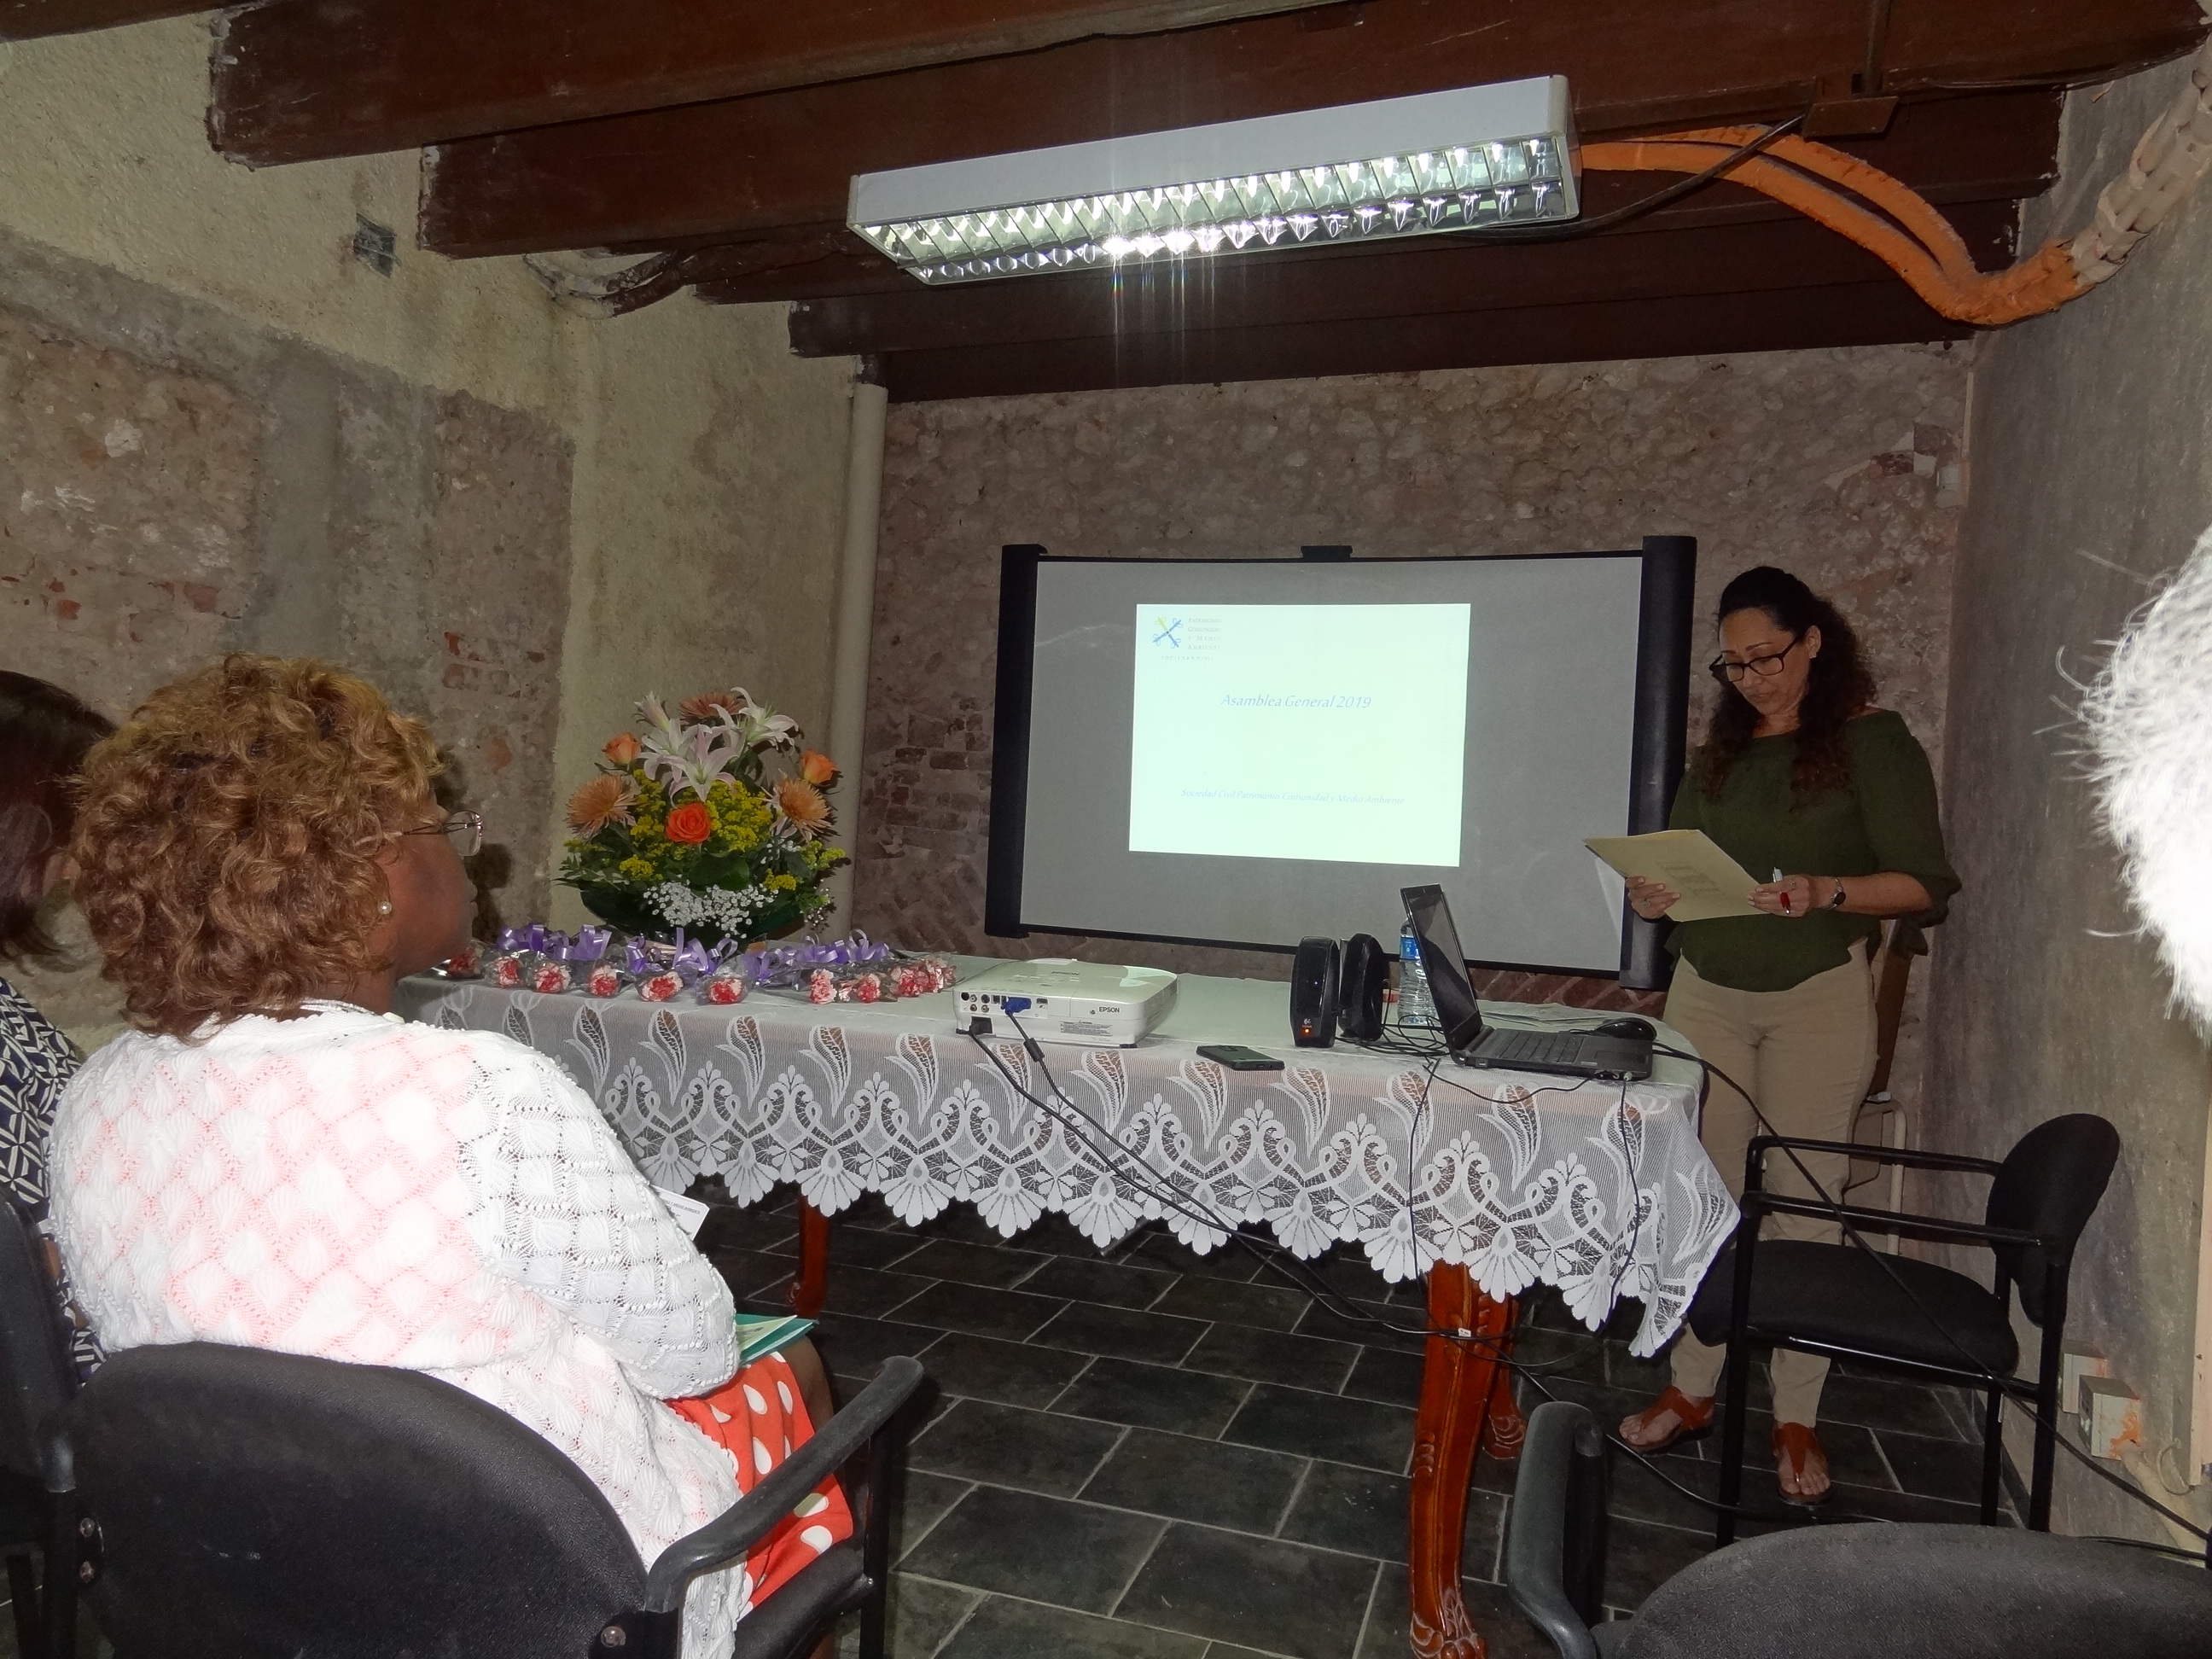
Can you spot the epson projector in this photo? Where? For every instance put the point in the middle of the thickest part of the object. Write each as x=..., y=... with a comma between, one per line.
x=1055, y=999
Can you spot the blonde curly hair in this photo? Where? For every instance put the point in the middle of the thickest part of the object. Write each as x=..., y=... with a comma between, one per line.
x=226, y=838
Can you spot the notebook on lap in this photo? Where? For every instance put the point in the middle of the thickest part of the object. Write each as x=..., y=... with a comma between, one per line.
x=1566, y=1054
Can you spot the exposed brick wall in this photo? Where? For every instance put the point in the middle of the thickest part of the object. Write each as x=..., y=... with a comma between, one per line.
x=1842, y=465
x=453, y=528
x=126, y=506
x=175, y=484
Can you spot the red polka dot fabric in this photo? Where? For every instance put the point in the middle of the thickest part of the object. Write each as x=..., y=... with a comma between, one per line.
x=759, y=1418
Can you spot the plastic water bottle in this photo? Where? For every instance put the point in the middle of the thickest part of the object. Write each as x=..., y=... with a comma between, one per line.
x=1415, y=1006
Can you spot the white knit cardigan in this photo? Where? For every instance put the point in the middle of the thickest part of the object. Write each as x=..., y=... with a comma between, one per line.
x=355, y=1186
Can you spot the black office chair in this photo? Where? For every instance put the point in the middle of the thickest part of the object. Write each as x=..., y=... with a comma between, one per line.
x=37, y=1379
x=1555, y=1531
x=1866, y=1590
x=238, y=1504
x=1913, y=1316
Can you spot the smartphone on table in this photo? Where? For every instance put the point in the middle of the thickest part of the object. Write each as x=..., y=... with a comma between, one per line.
x=1238, y=1058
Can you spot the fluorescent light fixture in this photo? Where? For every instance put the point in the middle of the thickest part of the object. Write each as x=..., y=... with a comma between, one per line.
x=1469, y=159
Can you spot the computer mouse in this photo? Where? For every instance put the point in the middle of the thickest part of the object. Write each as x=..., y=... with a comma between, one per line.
x=1630, y=1027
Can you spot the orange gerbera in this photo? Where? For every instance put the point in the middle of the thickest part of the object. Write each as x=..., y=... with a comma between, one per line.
x=802, y=807
x=621, y=749
x=703, y=707
x=605, y=799
x=815, y=767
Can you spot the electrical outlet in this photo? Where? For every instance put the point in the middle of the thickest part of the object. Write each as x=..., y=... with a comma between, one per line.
x=2075, y=1361
x=2112, y=1416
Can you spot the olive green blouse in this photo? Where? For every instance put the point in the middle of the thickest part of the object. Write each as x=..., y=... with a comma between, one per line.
x=1886, y=821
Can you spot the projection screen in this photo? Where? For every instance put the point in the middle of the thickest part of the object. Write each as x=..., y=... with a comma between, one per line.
x=1249, y=751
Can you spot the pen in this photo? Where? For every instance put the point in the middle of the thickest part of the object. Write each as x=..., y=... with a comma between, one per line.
x=1785, y=896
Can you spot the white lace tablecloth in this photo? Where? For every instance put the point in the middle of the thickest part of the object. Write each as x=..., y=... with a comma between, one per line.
x=1600, y=1188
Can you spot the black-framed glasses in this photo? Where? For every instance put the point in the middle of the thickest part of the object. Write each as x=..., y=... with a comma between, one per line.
x=466, y=828
x=1766, y=667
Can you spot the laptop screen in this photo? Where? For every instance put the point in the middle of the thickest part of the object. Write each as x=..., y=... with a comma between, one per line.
x=1446, y=963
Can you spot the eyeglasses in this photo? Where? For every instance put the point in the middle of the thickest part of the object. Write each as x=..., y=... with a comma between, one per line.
x=467, y=828
x=1766, y=667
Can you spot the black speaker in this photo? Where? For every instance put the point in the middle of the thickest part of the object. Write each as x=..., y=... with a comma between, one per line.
x=1314, y=973
x=1360, y=991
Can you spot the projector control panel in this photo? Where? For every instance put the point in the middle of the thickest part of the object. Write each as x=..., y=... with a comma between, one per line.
x=1055, y=1001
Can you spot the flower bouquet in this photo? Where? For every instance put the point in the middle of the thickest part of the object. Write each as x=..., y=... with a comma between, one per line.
x=685, y=827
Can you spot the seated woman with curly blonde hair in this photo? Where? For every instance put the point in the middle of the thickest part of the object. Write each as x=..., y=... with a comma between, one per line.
x=274, y=1160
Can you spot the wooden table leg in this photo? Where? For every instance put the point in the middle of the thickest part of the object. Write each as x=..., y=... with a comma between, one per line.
x=1507, y=1428
x=813, y=1282
x=1466, y=1395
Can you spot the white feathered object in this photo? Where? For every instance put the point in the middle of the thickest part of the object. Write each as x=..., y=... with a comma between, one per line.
x=2149, y=720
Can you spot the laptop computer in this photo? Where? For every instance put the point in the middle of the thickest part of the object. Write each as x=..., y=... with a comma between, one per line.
x=1566, y=1054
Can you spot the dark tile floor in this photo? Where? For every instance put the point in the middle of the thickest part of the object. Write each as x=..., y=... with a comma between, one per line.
x=1148, y=1454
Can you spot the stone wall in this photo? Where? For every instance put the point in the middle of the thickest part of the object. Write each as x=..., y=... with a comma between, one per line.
x=175, y=484
x=1842, y=465
x=2092, y=467
x=220, y=428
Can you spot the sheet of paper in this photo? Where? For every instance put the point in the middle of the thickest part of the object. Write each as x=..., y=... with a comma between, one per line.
x=688, y=1213
x=1711, y=882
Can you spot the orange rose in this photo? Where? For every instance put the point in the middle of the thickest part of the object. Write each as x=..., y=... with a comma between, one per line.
x=622, y=750
x=815, y=767
x=690, y=822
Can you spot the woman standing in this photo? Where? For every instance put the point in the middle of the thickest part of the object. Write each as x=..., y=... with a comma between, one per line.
x=1799, y=773
x=45, y=733
x=276, y=1160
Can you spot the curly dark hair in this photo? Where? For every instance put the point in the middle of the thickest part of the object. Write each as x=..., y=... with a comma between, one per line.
x=226, y=838
x=1838, y=686
x=44, y=734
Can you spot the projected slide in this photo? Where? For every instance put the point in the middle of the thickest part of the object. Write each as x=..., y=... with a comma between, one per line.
x=1331, y=731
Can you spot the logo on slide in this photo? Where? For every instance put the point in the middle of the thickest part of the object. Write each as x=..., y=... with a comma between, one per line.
x=1166, y=631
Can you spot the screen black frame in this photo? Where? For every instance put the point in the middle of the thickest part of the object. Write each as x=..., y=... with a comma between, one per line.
x=1658, y=744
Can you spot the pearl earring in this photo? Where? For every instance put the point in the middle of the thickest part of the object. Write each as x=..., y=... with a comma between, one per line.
x=384, y=908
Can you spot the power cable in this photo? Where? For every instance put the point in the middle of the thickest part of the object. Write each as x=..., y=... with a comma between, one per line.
x=1273, y=1255
x=1974, y=1363
x=1270, y=1252
x=1652, y=204
x=1882, y=1261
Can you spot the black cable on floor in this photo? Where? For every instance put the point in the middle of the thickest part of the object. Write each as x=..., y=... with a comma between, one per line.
x=1973, y=1364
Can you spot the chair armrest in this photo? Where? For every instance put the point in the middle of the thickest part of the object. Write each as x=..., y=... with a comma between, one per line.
x=57, y=1455
x=1562, y=1435
x=725, y=1539
x=1962, y=1232
x=1882, y=1154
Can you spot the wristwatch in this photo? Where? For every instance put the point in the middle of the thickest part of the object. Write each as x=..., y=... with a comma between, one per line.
x=1836, y=902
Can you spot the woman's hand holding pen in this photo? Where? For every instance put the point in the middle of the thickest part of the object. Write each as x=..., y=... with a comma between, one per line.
x=1785, y=896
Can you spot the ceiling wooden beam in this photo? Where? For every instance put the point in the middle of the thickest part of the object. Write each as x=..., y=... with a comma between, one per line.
x=299, y=80
x=1997, y=148
x=29, y=20
x=786, y=158
x=1446, y=277
x=1871, y=314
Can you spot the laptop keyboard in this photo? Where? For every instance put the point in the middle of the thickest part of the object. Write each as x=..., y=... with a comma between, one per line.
x=1537, y=1048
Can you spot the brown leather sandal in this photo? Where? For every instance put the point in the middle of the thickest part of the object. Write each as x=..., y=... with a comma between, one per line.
x=1694, y=1419
x=1795, y=1445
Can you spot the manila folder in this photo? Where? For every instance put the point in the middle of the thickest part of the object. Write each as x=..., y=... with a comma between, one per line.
x=1711, y=882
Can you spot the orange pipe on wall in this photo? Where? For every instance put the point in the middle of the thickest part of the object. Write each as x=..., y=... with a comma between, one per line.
x=1907, y=232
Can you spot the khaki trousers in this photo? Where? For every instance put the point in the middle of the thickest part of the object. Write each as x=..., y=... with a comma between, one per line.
x=1807, y=1054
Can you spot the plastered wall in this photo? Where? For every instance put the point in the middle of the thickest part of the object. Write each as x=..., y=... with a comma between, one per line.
x=2092, y=467
x=707, y=545
x=1841, y=466
x=220, y=429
